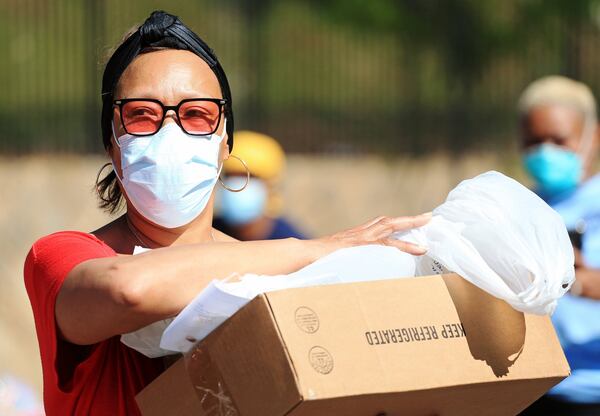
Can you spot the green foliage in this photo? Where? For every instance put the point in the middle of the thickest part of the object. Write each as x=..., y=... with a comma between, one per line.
x=321, y=75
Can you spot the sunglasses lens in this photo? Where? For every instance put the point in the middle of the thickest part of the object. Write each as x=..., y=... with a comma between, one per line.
x=142, y=117
x=199, y=117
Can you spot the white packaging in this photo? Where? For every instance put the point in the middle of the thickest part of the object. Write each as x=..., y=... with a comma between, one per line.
x=220, y=300
x=503, y=238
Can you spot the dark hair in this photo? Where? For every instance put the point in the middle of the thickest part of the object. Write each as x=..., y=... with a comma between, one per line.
x=160, y=31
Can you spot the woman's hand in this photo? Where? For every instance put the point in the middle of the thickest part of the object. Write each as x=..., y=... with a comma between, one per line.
x=379, y=231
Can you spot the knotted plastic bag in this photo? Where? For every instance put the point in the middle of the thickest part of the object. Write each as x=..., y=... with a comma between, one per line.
x=501, y=237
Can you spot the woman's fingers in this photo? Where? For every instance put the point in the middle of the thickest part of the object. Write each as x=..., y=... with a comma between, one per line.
x=371, y=223
x=410, y=248
x=379, y=230
x=385, y=227
x=406, y=223
x=389, y=225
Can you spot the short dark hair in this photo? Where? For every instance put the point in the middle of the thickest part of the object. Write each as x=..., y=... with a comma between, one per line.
x=160, y=31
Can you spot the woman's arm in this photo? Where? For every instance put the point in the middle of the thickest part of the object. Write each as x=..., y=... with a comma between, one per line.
x=104, y=297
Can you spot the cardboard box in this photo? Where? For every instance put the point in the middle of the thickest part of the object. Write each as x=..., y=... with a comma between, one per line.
x=417, y=346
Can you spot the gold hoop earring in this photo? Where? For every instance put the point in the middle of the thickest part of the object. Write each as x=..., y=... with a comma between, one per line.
x=247, y=177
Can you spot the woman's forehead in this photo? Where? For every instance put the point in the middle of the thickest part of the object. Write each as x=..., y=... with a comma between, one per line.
x=168, y=74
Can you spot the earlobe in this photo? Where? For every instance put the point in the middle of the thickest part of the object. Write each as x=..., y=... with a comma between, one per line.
x=225, y=150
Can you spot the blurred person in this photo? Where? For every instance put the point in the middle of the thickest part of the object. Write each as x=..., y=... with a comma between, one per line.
x=167, y=127
x=559, y=138
x=255, y=212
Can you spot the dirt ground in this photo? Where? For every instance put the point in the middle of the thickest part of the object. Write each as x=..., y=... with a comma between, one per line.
x=40, y=195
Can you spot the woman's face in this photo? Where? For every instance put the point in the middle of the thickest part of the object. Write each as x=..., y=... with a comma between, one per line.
x=169, y=76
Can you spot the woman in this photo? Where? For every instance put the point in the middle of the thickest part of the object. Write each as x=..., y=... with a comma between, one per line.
x=167, y=125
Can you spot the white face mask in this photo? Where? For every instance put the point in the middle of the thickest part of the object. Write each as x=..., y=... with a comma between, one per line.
x=169, y=176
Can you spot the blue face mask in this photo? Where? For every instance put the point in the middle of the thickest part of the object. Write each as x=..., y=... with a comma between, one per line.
x=554, y=169
x=238, y=208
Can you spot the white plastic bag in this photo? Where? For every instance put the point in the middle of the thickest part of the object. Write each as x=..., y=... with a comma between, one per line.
x=147, y=339
x=362, y=263
x=503, y=238
x=221, y=299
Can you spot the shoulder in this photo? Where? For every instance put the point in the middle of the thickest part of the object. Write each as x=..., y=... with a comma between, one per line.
x=53, y=256
x=586, y=198
x=591, y=186
x=72, y=239
x=64, y=244
x=583, y=201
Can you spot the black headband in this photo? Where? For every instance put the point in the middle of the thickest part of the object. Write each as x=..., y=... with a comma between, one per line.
x=160, y=30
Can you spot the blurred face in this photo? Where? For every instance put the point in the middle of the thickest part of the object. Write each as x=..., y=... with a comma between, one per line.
x=168, y=76
x=245, y=207
x=554, y=124
x=558, y=149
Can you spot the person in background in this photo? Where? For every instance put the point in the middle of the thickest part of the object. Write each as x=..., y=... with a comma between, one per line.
x=255, y=212
x=559, y=138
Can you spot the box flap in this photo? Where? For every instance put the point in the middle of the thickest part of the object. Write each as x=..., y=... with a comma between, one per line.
x=243, y=366
x=170, y=394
